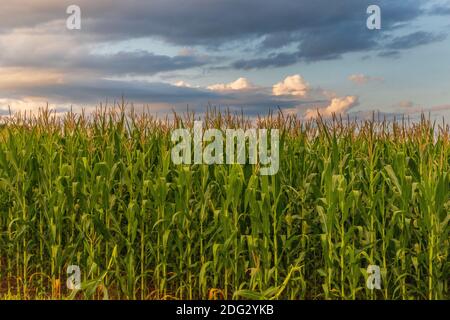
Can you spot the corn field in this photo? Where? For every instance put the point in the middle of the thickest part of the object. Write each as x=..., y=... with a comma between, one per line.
x=100, y=191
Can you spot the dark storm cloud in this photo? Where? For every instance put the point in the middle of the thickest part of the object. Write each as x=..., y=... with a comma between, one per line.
x=317, y=30
x=336, y=41
x=332, y=44
x=280, y=33
x=194, y=22
x=340, y=34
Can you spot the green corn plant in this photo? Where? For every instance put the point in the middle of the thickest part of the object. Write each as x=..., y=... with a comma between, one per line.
x=100, y=191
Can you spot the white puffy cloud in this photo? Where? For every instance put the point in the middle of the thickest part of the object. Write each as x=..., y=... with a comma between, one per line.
x=184, y=84
x=186, y=51
x=337, y=106
x=291, y=86
x=363, y=79
x=406, y=104
x=239, y=84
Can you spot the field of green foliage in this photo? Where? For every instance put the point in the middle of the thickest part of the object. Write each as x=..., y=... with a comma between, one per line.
x=101, y=192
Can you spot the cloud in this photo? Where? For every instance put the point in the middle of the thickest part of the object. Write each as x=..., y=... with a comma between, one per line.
x=291, y=86
x=135, y=63
x=279, y=39
x=239, y=84
x=339, y=33
x=337, y=41
x=91, y=91
x=409, y=107
x=275, y=24
x=186, y=51
x=392, y=54
x=406, y=104
x=194, y=22
x=337, y=106
x=273, y=60
x=415, y=39
x=11, y=78
x=362, y=79
x=285, y=32
x=413, y=116
x=444, y=107
x=58, y=53
x=440, y=9
x=183, y=84
x=152, y=39
x=80, y=91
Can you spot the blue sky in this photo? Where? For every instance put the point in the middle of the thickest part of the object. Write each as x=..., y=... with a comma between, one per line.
x=254, y=55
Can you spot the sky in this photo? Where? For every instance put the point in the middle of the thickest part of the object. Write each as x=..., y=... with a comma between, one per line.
x=302, y=57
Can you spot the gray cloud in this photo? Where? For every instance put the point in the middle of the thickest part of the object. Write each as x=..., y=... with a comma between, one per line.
x=285, y=32
x=393, y=54
x=440, y=9
x=279, y=40
x=273, y=60
x=194, y=22
x=334, y=43
x=338, y=36
x=319, y=30
x=80, y=59
x=135, y=63
x=90, y=92
x=202, y=22
x=415, y=39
